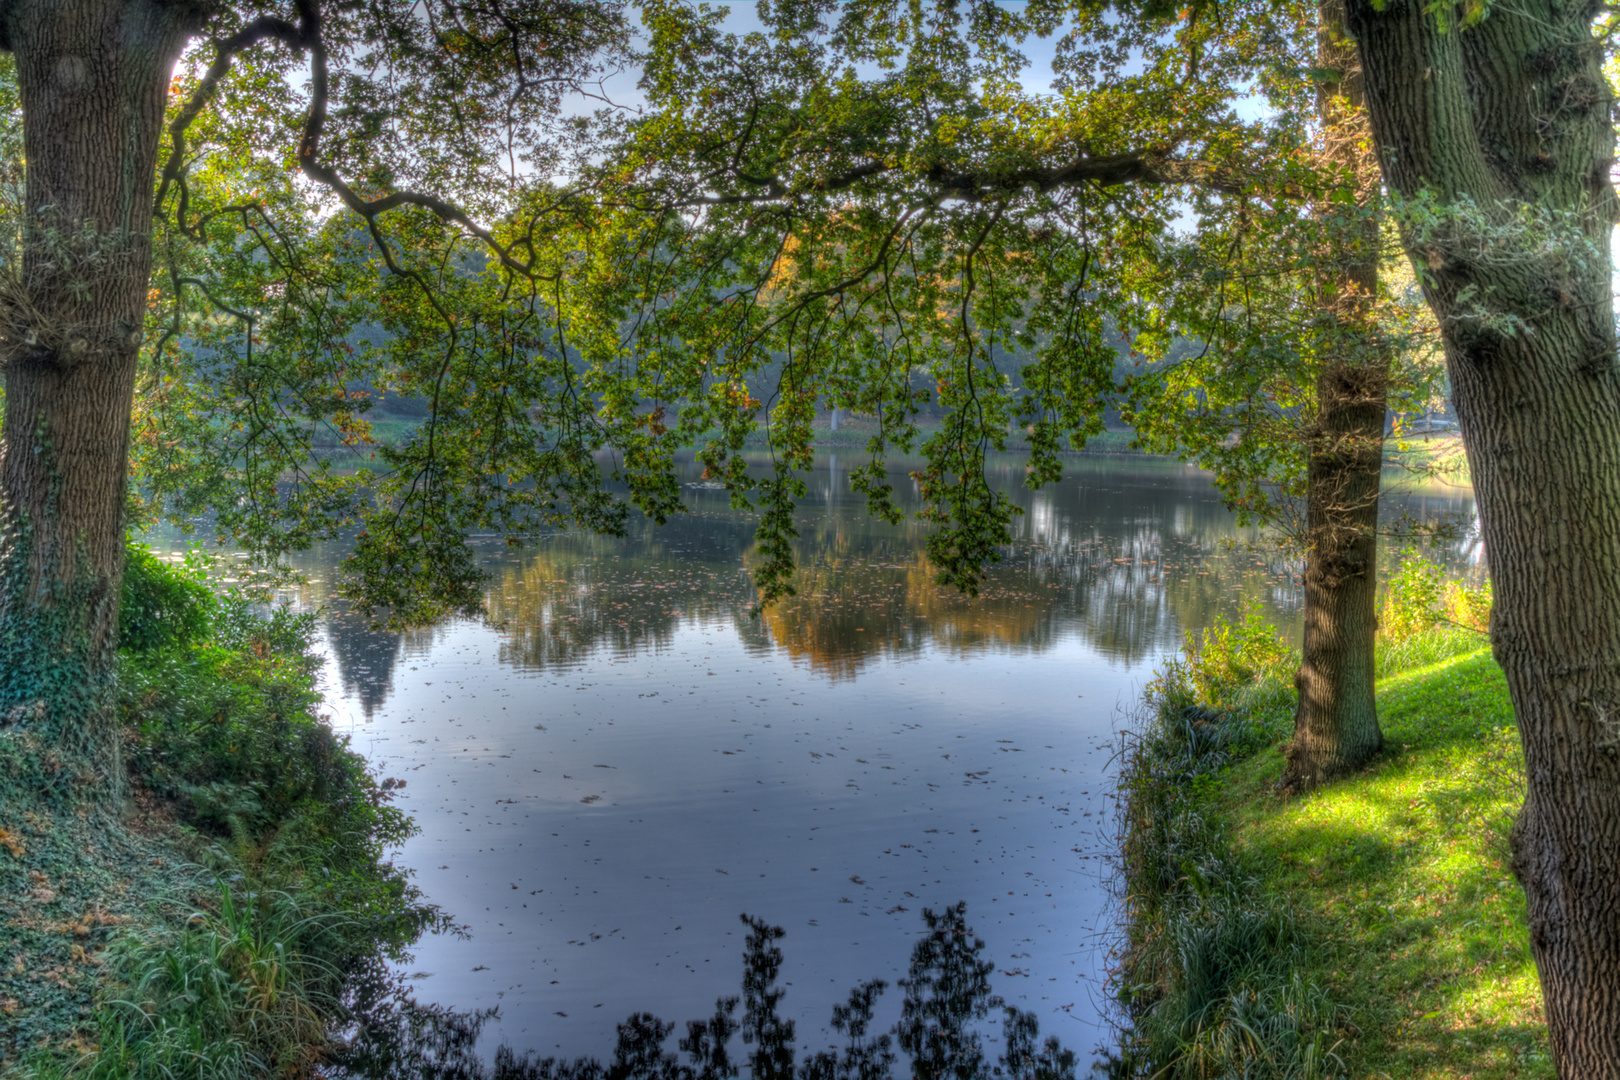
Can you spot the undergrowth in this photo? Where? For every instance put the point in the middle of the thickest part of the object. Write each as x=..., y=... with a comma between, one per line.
x=218, y=927
x=1406, y=867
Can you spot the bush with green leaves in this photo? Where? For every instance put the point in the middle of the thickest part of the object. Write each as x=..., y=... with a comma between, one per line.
x=161, y=604
x=254, y=974
x=1242, y=668
x=1414, y=597
x=1427, y=618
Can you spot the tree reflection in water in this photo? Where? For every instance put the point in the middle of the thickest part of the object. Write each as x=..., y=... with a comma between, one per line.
x=1129, y=559
x=947, y=996
x=1102, y=574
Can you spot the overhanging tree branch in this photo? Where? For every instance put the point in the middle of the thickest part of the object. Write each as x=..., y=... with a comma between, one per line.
x=264, y=28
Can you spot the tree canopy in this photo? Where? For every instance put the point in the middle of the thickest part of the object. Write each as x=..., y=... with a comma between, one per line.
x=861, y=206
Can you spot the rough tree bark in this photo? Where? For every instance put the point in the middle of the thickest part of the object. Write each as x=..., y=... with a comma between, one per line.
x=94, y=77
x=1336, y=723
x=1500, y=136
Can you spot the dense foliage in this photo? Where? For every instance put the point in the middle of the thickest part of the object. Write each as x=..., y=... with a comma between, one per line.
x=234, y=932
x=860, y=207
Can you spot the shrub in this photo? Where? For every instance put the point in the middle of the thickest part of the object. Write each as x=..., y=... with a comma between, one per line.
x=1470, y=607
x=1241, y=668
x=1426, y=619
x=1413, y=597
x=218, y=700
x=1229, y=656
x=162, y=604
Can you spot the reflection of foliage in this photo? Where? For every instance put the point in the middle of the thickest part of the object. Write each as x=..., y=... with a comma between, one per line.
x=576, y=597
x=1129, y=560
x=365, y=660
x=947, y=990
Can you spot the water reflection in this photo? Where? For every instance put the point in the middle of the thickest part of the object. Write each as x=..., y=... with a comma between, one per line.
x=622, y=757
x=1127, y=554
x=947, y=998
x=365, y=661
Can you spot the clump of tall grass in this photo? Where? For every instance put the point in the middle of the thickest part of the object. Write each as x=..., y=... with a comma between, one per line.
x=1207, y=974
x=239, y=991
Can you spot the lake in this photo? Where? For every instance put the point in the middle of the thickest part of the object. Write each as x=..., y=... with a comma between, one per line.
x=621, y=759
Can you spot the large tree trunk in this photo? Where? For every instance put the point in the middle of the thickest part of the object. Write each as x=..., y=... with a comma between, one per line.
x=1336, y=724
x=1504, y=128
x=94, y=76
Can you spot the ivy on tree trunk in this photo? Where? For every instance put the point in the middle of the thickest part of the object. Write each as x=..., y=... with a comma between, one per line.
x=93, y=77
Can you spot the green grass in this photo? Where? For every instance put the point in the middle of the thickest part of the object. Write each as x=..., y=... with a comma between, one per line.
x=1425, y=648
x=1404, y=871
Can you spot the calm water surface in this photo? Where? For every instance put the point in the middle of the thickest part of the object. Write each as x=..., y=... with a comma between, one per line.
x=621, y=759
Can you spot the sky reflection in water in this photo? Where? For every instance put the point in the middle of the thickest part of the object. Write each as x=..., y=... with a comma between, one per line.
x=621, y=760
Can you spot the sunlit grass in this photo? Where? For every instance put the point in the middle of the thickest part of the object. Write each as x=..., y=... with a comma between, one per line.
x=1425, y=648
x=1405, y=866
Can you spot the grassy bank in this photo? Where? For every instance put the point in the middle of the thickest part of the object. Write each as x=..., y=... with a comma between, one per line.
x=222, y=904
x=1405, y=868
x=1370, y=929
